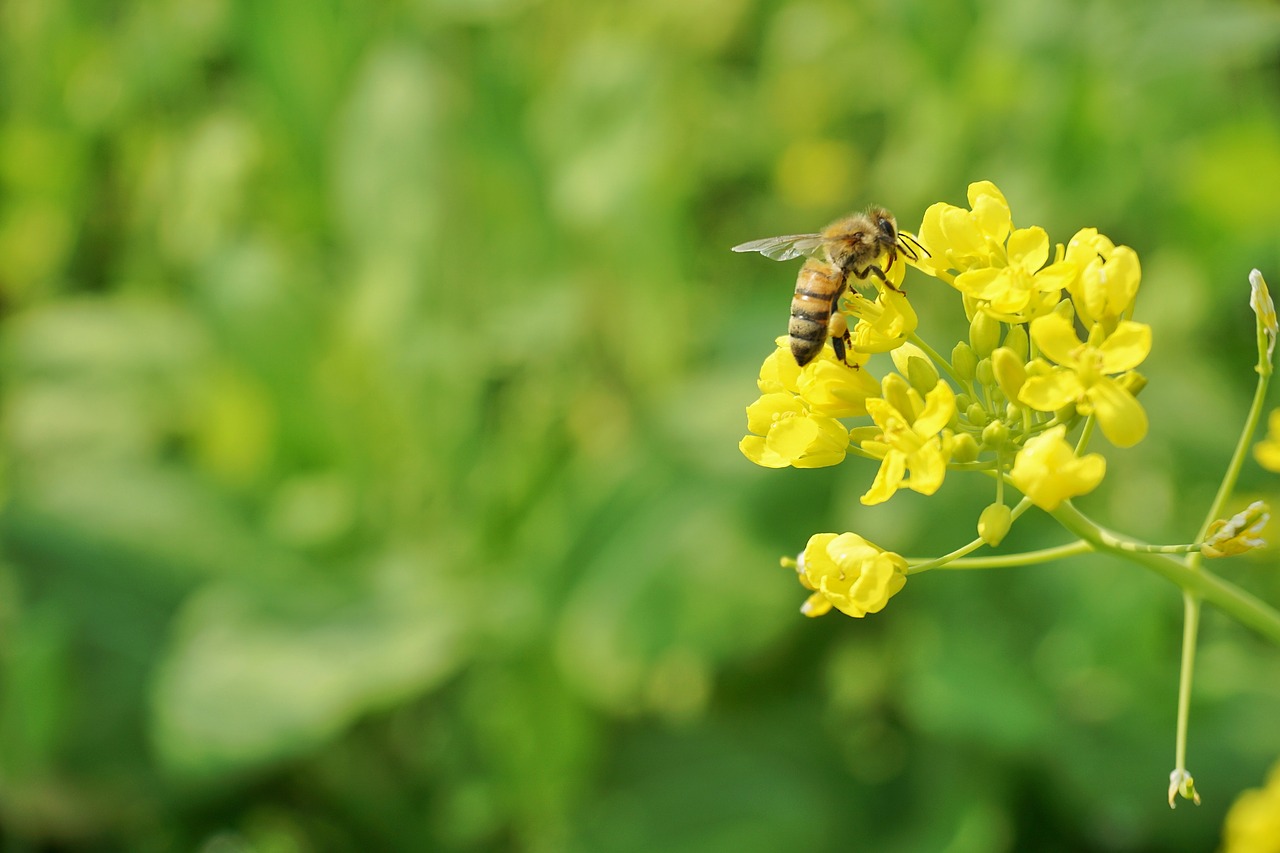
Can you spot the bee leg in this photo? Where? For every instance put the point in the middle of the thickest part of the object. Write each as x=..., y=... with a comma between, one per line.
x=872, y=268
x=841, y=340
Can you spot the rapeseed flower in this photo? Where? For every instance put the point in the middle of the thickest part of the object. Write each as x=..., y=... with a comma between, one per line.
x=848, y=573
x=1048, y=471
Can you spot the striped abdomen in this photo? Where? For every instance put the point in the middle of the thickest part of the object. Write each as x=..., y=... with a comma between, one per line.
x=817, y=288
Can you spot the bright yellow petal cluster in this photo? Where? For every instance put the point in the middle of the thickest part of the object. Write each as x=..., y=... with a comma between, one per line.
x=1001, y=270
x=885, y=323
x=1048, y=471
x=848, y=573
x=911, y=439
x=795, y=421
x=1253, y=822
x=1107, y=282
x=1084, y=375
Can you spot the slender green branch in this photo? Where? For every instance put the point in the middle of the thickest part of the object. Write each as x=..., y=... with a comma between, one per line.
x=1025, y=558
x=1190, y=626
x=1227, y=597
x=1237, y=458
x=966, y=549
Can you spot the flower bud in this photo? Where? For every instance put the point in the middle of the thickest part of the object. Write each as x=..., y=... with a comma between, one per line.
x=921, y=373
x=1009, y=371
x=984, y=373
x=964, y=361
x=994, y=523
x=964, y=448
x=984, y=333
x=995, y=434
x=976, y=415
x=1016, y=340
x=1133, y=382
x=1066, y=309
x=962, y=402
x=896, y=390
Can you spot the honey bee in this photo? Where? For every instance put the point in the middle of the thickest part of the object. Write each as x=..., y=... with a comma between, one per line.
x=851, y=246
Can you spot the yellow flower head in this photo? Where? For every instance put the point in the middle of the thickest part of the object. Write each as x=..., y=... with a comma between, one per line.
x=1001, y=270
x=786, y=433
x=848, y=573
x=827, y=386
x=884, y=323
x=911, y=439
x=1083, y=375
x=1107, y=281
x=959, y=239
x=1048, y=471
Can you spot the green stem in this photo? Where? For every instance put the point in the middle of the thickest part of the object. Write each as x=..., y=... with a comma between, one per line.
x=1026, y=558
x=1227, y=597
x=967, y=549
x=1190, y=626
x=1237, y=458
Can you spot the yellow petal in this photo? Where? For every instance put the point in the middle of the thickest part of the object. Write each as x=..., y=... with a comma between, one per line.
x=939, y=406
x=1051, y=391
x=990, y=209
x=1029, y=248
x=887, y=479
x=1126, y=347
x=764, y=412
x=1056, y=338
x=1120, y=415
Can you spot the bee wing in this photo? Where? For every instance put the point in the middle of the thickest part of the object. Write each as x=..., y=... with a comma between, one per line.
x=783, y=248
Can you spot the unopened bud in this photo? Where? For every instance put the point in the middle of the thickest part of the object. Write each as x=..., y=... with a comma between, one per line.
x=1133, y=382
x=895, y=390
x=976, y=415
x=984, y=373
x=964, y=448
x=1009, y=371
x=964, y=361
x=1016, y=340
x=984, y=333
x=995, y=434
x=994, y=523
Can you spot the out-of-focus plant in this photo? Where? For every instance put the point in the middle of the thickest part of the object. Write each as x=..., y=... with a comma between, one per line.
x=1002, y=406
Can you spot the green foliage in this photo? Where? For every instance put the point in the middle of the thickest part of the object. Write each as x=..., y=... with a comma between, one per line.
x=372, y=377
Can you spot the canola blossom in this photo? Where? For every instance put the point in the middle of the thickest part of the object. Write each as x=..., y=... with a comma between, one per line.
x=1049, y=364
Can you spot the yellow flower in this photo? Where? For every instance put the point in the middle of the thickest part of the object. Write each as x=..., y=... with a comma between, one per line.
x=1048, y=472
x=1021, y=290
x=1000, y=270
x=786, y=433
x=1253, y=822
x=849, y=573
x=1267, y=451
x=1108, y=279
x=911, y=439
x=827, y=386
x=884, y=323
x=1082, y=376
x=959, y=239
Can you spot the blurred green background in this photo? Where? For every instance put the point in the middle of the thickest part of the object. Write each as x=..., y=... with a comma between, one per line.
x=372, y=381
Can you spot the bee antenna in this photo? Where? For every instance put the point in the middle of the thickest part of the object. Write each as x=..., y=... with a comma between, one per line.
x=910, y=243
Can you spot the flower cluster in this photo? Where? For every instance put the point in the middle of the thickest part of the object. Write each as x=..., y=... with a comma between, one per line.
x=1051, y=347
